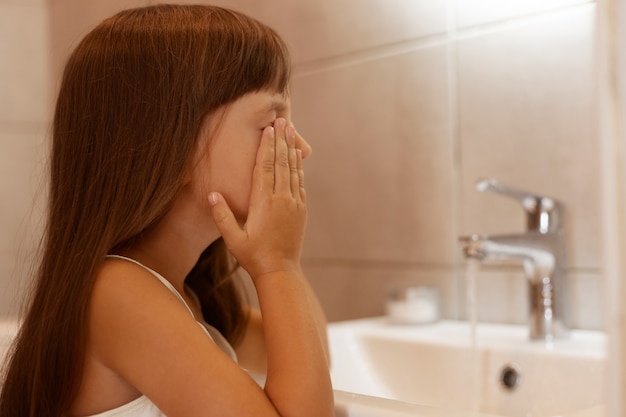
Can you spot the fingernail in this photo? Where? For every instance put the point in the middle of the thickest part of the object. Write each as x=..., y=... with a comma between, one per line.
x=213, y=198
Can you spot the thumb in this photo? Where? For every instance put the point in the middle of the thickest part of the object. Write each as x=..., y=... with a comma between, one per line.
x=224, y=217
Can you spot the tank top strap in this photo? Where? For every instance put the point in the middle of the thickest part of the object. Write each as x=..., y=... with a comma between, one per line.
x=159, y=277
x=209, y=330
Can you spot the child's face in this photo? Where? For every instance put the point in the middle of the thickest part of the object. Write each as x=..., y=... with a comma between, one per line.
x=233, y=140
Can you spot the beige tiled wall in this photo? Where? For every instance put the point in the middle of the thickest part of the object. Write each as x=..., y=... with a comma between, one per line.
x=70, y=20
x=24, y=111
x=406, y=103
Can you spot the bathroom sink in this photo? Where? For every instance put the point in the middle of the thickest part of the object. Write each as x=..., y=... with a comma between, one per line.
x=492, y=368
x=380, y=369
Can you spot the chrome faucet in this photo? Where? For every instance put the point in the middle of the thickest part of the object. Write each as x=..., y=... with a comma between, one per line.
x=542, y=253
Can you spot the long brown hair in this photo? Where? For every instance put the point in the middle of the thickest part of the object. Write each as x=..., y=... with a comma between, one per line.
x=131, y=104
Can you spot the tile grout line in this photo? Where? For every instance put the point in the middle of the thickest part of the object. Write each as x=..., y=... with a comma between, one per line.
x=428, y=266
x=377, y=52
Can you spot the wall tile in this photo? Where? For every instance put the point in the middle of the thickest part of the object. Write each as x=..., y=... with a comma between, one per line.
x=14, y=283
x=22, y=183
x=328, y=28
x=477, y=12
x=24, y=89
x=71, y=20
x=586, y=297
x=22, y=186
x=379, y=182
x=501, y=296
x=36, y=3
x=354, y=290
x=527, y=119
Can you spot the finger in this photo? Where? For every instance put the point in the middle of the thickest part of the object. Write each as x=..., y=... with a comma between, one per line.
x=281, y=159
x=300, y=170
x=294, y=179
x=302, y=144
x=225, y=220
x=263, y=177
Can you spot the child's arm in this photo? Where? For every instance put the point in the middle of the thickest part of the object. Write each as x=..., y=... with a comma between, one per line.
x=269, y=248
x=252, y=352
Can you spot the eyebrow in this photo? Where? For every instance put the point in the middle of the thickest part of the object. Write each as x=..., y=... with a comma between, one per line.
x=276, y=105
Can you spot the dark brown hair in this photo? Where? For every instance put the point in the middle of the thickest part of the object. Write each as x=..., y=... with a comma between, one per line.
x=132, y=101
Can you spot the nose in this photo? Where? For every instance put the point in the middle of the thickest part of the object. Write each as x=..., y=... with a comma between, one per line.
x=303, y=145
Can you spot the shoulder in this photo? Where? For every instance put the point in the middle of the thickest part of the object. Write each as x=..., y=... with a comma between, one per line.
x=142, y=339
x=129, y=286
x=141, y=332
x=129, y=302
x=124, y=273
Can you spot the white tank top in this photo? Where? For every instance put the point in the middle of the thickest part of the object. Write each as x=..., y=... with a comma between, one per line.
x=142, y=406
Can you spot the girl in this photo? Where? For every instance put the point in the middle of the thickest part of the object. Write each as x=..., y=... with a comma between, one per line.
x=172, y=149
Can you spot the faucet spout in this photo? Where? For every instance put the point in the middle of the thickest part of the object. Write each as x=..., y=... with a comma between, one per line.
x=540, y=250
x=541, y=260
x=534, y=250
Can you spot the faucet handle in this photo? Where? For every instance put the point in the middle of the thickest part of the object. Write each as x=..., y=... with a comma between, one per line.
x=543, y=214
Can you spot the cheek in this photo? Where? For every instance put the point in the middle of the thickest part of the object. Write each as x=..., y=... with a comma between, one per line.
x=232, y=177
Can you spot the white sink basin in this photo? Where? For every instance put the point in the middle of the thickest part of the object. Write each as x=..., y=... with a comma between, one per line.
x=434, y=371
x=437, y=365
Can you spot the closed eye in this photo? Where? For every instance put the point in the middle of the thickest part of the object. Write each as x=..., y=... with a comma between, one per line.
x=268, y=124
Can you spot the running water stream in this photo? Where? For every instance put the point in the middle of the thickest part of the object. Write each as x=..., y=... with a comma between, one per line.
x=471, y=274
